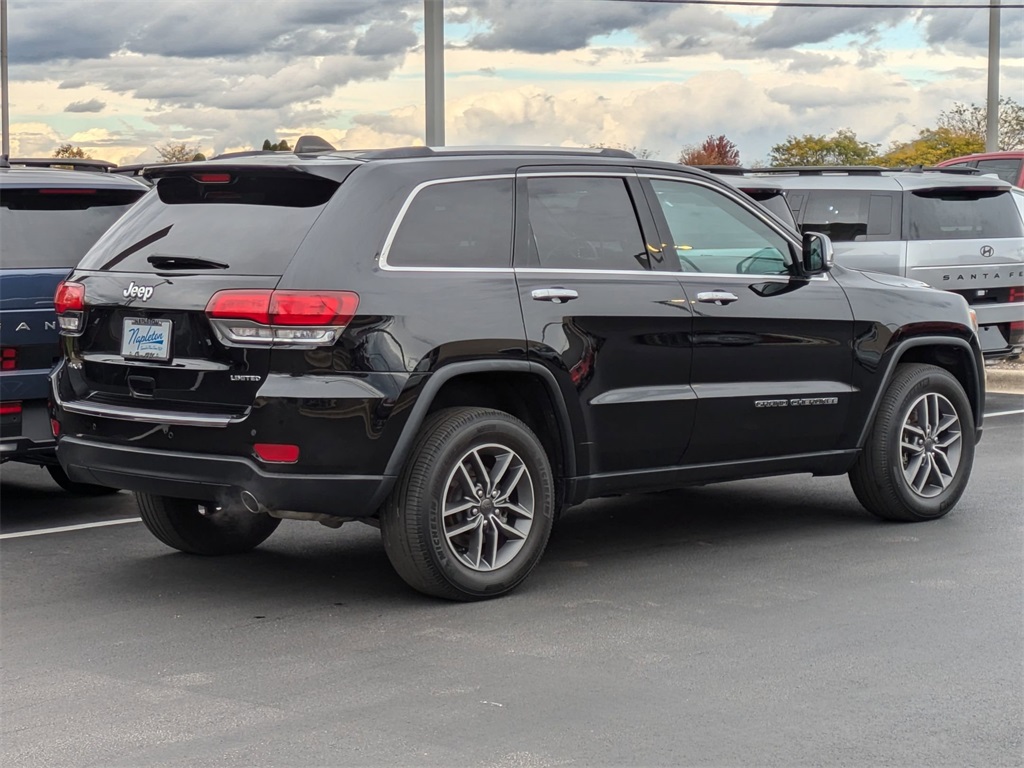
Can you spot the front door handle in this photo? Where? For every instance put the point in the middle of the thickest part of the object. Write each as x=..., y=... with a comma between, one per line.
x=555, y=295
x=717, y=297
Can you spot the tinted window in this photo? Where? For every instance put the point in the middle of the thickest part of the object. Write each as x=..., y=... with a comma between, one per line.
x=583, y=223
x=840, y=214
x=54, y=228
x=713, y=233
x=1007, y=169
x=963, y=214
x=252, y=231
x=457, y=224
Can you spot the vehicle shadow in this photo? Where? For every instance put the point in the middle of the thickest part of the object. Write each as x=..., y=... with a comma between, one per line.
x=301, y=566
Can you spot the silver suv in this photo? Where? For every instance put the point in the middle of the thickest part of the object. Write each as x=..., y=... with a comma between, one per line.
x=950, y=228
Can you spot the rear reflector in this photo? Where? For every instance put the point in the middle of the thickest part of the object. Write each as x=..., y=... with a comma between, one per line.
x=55, y=427
x=9, y=409
x=69, y=297
x=278, y=453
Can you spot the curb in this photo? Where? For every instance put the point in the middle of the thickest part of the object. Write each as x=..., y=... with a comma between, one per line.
x=1004, y=380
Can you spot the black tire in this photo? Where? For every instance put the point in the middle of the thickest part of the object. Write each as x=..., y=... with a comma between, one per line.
x=180, y=524
x=429, y=556
x=879, y=477
x=61, y=478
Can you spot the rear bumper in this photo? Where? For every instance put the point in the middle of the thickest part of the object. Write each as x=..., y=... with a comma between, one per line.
x=29, y=437
x=219, y=479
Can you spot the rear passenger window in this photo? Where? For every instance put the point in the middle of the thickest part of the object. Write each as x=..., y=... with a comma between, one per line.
x=849, y=215
x=457, y=224
x=583, y=223
x=963, y=214
x=1007, y=169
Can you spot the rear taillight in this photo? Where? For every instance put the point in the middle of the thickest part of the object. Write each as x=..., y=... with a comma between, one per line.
x=8, y=358
x=304, y=318
x=69, y=301
x=1016, y=293
x=10, y=409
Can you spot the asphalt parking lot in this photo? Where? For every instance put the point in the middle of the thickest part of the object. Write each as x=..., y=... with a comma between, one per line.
x=767, y=622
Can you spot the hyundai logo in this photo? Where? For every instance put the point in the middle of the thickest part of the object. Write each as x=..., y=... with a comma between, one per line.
x=987, y=251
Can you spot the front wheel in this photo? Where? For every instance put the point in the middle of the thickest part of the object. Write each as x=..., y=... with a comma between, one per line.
x=201, y=529
x=918, y=456
x=473, y=509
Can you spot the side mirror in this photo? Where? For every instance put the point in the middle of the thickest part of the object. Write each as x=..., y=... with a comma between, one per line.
x=817, y=257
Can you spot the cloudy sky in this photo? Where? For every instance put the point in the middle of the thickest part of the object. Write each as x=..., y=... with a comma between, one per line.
x=118, y=77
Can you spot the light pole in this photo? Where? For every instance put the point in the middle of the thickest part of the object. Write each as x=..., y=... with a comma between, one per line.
x=433, y=46
x=5, y=117
x=992, y=104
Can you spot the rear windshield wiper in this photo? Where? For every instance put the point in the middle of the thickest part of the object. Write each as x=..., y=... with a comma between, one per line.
x=184, y=262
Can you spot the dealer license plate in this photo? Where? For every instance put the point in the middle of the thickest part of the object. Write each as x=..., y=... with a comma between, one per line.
x=145, y=339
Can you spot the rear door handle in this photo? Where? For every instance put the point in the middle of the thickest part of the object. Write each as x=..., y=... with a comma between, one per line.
x=554, y=295
x=717, y=297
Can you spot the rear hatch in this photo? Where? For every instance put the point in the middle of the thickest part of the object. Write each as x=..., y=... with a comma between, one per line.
x=969, y=240
x=147, y=341
x=44, y=233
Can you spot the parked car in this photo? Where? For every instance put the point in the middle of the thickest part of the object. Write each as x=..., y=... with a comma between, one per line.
x=48, y=220
x=453, y=345
x=950, y=228
x=771, y=196
x=1008, y=166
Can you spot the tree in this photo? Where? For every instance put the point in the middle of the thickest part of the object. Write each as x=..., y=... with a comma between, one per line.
x=971, y=120
x=281, y=146
x=198, y=156
x=932, y=146
x=67, y=150
x=177, y=152
x=716, y=150
x=842, y=148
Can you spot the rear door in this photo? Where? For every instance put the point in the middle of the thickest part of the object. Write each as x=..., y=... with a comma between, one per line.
x=603, y=315
x=147, y=342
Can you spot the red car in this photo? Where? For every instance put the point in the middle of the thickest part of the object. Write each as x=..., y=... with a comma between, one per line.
x=1008, y=166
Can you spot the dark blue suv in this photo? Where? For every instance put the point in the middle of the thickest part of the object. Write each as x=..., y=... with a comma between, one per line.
x=49, y=218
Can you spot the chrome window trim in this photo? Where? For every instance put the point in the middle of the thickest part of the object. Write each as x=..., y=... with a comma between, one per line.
x=382, y=260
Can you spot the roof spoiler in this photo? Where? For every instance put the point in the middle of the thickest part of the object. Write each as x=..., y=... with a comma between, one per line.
x=75, y=163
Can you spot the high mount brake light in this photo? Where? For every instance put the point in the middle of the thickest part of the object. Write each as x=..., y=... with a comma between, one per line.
x=305, y=318
x=70, y=297
x=68, y=191
x=212, y=178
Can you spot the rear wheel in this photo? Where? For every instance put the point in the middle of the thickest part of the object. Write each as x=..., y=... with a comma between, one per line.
x=473, y=509
x=60, y=477
x=918, y=457
x=201, y=529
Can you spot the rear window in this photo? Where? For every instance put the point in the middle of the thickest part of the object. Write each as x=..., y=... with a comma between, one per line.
x=251, y=224
x=54, y=228
x=963, y=214
x=851, y=215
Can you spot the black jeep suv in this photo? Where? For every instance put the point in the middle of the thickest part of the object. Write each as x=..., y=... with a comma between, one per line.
x=455, y=344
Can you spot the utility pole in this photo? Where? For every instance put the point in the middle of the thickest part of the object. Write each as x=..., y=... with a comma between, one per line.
x=992, y=103
x=433, y=45
x=5, y=107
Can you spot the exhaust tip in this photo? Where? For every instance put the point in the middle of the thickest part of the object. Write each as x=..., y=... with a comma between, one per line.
x=251, y=503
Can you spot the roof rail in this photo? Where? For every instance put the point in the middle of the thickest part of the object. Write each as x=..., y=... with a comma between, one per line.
x=468, y=151
x=75, y=163
x=962, y=170
x=724, y=170
x=822, y=170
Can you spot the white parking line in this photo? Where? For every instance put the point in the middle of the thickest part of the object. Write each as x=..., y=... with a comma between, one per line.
x=1004, y=413
x=64, y=528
